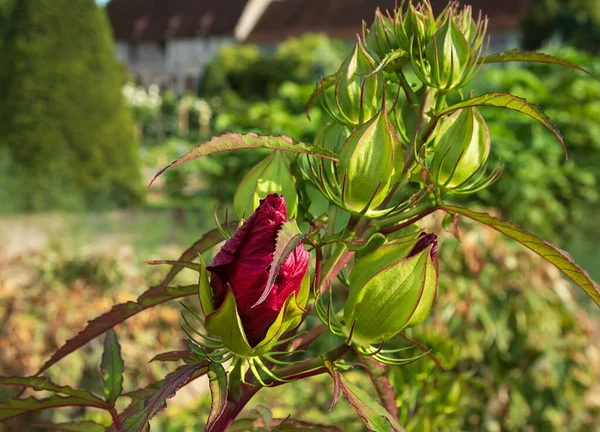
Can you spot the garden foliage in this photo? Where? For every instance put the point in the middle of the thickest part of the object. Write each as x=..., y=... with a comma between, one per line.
x=65, y=137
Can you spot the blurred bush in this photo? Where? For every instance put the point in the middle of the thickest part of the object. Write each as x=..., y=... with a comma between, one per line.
x=539, y=189
x=65, y=132
x=257, y=90
x=575, y=22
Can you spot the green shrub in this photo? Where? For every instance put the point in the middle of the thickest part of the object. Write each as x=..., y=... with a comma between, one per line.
x=63, y=120
x=541, y=190
x=575, y=22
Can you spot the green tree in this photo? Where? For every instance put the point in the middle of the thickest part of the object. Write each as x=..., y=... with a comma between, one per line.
x=66, y=138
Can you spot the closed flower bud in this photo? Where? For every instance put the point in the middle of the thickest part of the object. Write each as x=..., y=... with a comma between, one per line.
x=371, y=162
x=414, y=27
x=357, y=93
x=473, y=30
x=332, y=136
x=272, y=175
x=391, y=288
x=448, y=61
x=239, y=275
x=460, y=149
x=381, y=37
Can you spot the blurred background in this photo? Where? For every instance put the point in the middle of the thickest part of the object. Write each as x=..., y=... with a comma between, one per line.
x=96, y=97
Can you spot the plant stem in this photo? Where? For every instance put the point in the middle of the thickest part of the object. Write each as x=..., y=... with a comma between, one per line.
x=307, y=368
x=115, y=417
x=409, y=222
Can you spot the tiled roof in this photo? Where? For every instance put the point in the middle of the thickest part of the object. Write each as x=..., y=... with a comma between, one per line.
x=343, y=18
x=157, y=20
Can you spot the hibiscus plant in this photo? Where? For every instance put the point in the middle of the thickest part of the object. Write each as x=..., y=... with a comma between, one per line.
x=404, y=136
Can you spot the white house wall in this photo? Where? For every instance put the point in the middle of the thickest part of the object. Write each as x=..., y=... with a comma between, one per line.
x=187, y=58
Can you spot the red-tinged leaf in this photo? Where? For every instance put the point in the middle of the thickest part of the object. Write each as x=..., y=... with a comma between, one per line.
x=562, y=260
x=238, y=141
x=84, y=426
x=17, y=407
x=154, y=296
x=172, y=356
x=324, y=84
x=43, y=383
x=139, y=420
x=206, y=242
x=285, y=425
x=119, y=313
x=288, y=237
x=185, y=264
x=218, y=382
x=511, y=102
x=531, y=57
x=291, y=425
x=337, y=385
x=378, y=374
x=374, y=416
x=111, y=368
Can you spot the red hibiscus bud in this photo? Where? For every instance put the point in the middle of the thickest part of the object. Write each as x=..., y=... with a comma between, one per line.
x=242, y=267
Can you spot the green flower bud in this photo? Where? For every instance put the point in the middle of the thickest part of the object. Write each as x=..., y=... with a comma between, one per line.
x=415, y=27
x=448, y=62
x=473, y=31
x=461, y=146
x=391, y=288
x=357, y=94
x=332, y=136
x=271, y=175
x=381, y=37
x=371, y=162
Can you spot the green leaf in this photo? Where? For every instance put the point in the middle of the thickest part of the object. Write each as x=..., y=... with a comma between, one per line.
x=217, y=382
x=16, y=407
x=531, y=57
x=511, y=102
x=375, y=417
x=563, y=261
x=84, y=426
x=173, y=356
x=139, y=420
x=154, y=296
x=238, y=141
x=43, y=383
x=111, y=368
x=288, y=237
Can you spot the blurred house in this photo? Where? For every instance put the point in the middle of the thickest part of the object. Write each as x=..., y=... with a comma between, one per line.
x=170, y=41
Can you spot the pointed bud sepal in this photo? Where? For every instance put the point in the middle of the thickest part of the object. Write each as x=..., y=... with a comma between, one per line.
x=271, y=175
x=226, y=323
x=380, y=39
x=448, y=62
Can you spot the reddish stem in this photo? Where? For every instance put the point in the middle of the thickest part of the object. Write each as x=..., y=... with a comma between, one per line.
x=115, y=417
x=409, y=222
